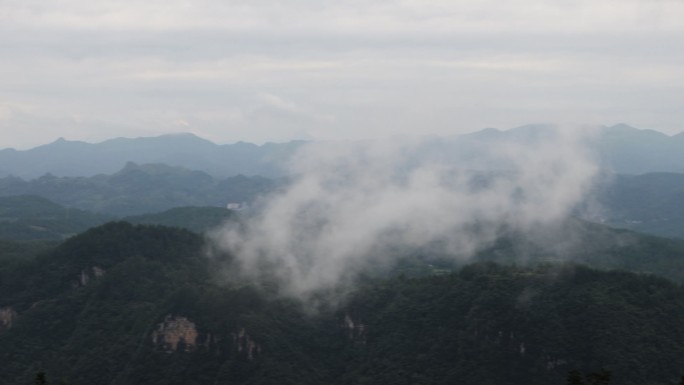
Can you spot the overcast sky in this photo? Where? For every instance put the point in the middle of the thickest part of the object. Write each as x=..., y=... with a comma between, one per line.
x=266, y=70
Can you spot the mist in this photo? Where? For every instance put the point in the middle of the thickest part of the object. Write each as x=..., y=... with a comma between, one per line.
x=350, y=203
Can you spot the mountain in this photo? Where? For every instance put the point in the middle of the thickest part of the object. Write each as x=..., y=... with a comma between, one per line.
x=651, y=203
x=138, y=189
x=620, y=148
x=627, y=150
x=124, y=304
x=592, y=244
x=74, y=158
x=569, y=241
x=34, y=218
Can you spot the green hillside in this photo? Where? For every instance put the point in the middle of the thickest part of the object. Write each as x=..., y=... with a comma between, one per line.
x=28, y=217
x=197, y=219
x=125, y=304
x=140, y=189
x=573, y=240
x=593, y=244
x=31, y=218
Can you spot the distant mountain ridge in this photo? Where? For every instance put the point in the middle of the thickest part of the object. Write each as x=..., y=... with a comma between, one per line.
x=620, y=148
x=651, y=203
x=75, y=158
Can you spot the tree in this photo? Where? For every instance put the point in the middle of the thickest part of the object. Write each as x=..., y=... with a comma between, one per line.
x=40, y=378
x=602, y=377
x=575, y=378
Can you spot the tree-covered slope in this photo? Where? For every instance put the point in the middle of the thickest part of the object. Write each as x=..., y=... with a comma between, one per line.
x=140, y=189
x=197, y=219
x=29, y=217
x=571, y=240
x=136, y=304
x=596, y=245
x=490, y=324
x=125, y=304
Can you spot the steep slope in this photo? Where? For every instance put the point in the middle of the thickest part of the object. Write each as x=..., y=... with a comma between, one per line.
x=123, y=304
x=500, y=325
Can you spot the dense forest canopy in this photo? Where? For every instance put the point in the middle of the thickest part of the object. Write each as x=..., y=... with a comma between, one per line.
x=125, y=304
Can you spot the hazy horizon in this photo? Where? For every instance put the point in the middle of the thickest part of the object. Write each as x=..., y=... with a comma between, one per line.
x=267, y=71
x=416, y=136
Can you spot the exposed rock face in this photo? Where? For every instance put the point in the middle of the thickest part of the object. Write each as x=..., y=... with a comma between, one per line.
x=356, y=331
x=176, y=333
x=244, y=343
x=7, y=318
x=88, y=274
x=179, y=334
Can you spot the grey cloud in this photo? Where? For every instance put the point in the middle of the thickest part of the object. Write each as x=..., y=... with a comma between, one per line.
x=377, y=67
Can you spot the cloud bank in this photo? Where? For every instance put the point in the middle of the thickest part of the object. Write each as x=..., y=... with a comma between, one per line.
x=350, y=203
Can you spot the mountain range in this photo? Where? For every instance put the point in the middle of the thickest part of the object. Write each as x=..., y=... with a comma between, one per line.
x=26, y=218
x=620, y=148
x=650, y=203
x=94, y=288
x=139, y=189
x=75, y=158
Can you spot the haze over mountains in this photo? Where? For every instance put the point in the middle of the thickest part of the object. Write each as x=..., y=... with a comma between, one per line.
x=73, y=158
x=620, y=148
x=375, y=238
x=650, y=203
x=368, y=263
x=138, y=189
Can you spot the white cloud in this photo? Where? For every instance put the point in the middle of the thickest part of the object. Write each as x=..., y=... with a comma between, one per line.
x=351, y=204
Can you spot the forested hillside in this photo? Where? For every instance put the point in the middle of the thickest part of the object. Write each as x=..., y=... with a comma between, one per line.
x=196, y=219
x=141, y=189
x=124, y=304
x=28, y=217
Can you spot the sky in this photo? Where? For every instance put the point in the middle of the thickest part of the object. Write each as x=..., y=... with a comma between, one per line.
x=264, y=70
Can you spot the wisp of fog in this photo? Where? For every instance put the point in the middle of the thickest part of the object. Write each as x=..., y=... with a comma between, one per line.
x=348, y=203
